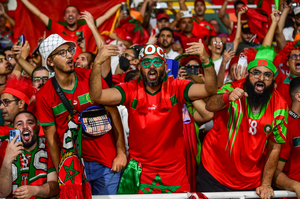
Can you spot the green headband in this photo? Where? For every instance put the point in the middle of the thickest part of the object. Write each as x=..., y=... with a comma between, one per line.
x=264, y=57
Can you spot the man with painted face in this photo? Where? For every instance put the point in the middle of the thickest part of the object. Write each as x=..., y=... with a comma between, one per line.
x=154, y=103
x=27, y=170
x=249, y=127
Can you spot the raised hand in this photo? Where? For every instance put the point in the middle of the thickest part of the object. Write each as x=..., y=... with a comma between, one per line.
x=88, y=18
x=227, y=55
x=243, y=10
x=13, y=150
x=104, y=53
x=236, y=94
x=197, y=48
x=2, y=10
x=275, y=16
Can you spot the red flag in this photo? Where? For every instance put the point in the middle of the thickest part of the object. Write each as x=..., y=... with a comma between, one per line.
x=33, y=28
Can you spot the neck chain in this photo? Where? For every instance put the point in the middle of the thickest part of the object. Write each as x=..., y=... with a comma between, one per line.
x=293, y=114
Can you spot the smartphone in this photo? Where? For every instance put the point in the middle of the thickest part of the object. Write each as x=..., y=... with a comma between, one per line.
x=161, y=5
x=243, y=63
x=186, y=13
x=229, y=45
x=21, y=39
x=13, y=133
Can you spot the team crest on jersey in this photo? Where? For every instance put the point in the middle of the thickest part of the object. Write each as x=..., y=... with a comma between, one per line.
x=268, y=129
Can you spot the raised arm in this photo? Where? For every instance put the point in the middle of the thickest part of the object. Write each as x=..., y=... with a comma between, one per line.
x=238, y=35
x=144, y=7
x=222, y=15
x=6, y=16
x=20, y=54
x=284, y=15
x=227, y=56
x=182, y=5
x=275, y=16
x=90, y=22
x=201, y=91
x=201, y=115
x=36, y=11
x=110, y=96
x=100, y=20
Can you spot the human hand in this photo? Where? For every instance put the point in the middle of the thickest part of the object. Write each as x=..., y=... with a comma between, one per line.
x=170, y=6
x=25, y=50
x=230, y=1
x=237, y=74
x=16, y=50
x=182, y=73
x=81, y=42
x=275, y=16
x=227, y=55
x=153, y=38
x=2, y=10
x=119, y=162
x=243, y=10
x=178, y=16
x=113, y=36
x=13, y=150
x=197, y=48
x=104, y=53
x=42, y=38
x=265, y=191
x=25, y=192
x=88, y=18
x=236, y=94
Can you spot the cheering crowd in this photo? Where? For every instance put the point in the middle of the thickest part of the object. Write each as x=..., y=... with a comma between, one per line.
x=161, y=105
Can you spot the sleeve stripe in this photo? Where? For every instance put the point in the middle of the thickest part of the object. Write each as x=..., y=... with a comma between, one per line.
x=186, y=92
x=120, y=89
x=47, y=124
x=282, y=160
x=49, y=24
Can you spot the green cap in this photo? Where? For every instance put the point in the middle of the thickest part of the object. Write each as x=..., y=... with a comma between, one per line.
x=264, y=57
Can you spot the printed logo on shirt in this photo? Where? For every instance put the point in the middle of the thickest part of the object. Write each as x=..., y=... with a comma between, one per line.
x=153, y=107
x=268, y=129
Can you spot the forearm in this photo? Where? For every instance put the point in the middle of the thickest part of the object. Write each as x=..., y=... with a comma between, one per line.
x=47, y=190
x=105, y=68
x=107, y=15
x=283, y=17
x=95, y=84
x=51, y=137
x=215, y=103
x=237, y=38
x=269, y=36
x=221, y=74
x=182, y=5
x=222, y=11
x=147, y=17
x=6, y=179
x=17, y=70
x=271, y=163
x=97, y=36
x=26, y=66
x=36, y=12
x=211, y=86
x=117, y=129
x=201, y=115
x=10, y=20
x=143, y=8
x=282, y=181
x=280, y=39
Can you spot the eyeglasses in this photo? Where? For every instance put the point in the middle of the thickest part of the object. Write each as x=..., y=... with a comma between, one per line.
x=63, y=52
x=9, y=57
x=6, y=102
x=192, y=65
x=147, y=62
x=38, y=79
x=216, y=43
x=257, y=74
x=295, y=56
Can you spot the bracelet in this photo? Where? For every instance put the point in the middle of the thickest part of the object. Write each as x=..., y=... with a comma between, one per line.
x=226, y=97
x=210, y=63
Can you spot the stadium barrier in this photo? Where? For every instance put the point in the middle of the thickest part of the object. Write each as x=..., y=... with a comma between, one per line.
x=237, y=194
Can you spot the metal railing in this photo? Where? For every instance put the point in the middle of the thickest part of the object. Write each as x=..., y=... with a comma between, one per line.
x=237, y=194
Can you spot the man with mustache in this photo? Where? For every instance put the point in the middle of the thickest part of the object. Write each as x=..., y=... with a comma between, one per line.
x=27, y=170
x=104, y=156
x=166, y=40
x=154, y=103
x=242, y=149
x=40, y=76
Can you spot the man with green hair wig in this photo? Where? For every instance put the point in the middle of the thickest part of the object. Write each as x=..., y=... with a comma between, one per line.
x=242, y=149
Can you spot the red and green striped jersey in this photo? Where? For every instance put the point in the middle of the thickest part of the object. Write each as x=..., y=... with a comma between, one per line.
x=290, y=151
x=51, y=111
x=234, y=150
x=65, y=33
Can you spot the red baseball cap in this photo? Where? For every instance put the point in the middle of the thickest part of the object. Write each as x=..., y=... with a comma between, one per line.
x=162, y=16
x=196, y=1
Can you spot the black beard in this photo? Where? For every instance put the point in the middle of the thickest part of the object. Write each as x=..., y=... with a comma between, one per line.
x=165, y=47
x=153, y=84
x=31, y=143
x=258, y=100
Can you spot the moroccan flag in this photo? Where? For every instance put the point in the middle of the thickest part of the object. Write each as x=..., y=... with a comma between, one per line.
x=258, y=21
x=265, y=5
x=33, y=28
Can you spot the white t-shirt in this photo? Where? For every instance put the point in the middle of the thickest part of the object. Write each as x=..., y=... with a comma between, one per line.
x=288, y=33
x=172, y=54
x=217, y=64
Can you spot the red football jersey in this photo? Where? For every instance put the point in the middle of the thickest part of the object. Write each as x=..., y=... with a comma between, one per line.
x=51, y=111
x=156, y=138
x=203, y=29
x=290, y=151
x=68, y=35
x=234, y=149
x=283, y=88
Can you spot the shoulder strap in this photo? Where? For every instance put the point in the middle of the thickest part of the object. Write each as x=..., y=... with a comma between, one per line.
x=62, y=96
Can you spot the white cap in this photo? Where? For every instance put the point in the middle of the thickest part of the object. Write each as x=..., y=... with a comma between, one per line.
x=50, y=44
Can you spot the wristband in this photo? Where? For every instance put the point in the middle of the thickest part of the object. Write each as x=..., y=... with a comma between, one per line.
x=210, y=63
x=226, y=97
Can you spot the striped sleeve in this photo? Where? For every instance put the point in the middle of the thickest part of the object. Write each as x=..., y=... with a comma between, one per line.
x=225, y=88
x=280, y=125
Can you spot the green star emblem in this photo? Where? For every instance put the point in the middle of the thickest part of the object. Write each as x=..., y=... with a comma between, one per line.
x=164, y=189
x=71, y=172
x=137, y=26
